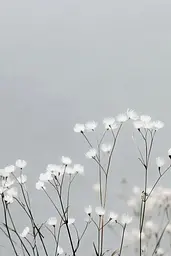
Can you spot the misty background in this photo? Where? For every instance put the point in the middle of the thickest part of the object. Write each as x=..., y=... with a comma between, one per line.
x=63, y=62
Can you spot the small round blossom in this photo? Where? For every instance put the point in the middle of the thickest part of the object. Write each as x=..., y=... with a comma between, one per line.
x=3, y=173
x=60, y=250
x=100, y=211
x=79, y=128
x=70, y=170
x=71, y=221
x=21, y=163
x=121, y=118
x=10, y=168
x=159, y=162
x=159, y=251
x=22, y=179
x=126, y=219
x=25, y=232
x=91, y=153
x=66, y=160
x=45, y=177
x=78, y=168
x=52, y=221
x=145, y=118
x=8, y=199
x=106, y=148
x=113, y=216
x=40, y=185
x=12, y=192
x=91, y=126
x=108, y=122
x=88, y=210
x=51, y=168
x=158, y=124
x=148, y=125
x=138, y=124
x=132, y=114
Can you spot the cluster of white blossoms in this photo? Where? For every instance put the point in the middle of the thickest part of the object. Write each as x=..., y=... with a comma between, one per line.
x=8, y=179
x=54, y=171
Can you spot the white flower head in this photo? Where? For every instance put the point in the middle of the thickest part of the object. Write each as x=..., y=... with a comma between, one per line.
x=79, y=128
x=91, y=153
x=70, y=170
x=25, y=232
x=108, y=122
x=88, y=210
x=10, y=168
x=113, y=216
x=100, y=211
x=91, y=126
x=52, y=168
x=160, y=162
x=21, y=163
x=71, y=221
x=66, y=160
x=7, y=183
x=78, y=168
x=138, y=124
x=158, y=124
x=40, y=185
x=145, y=118
x=126, y=219
x=3, y=173
x=121, y=118
x=52, y=221
x=159, y=251
x=12, y=192
x=132, y=114
x=60, y=250
x=45, y=177
x=148, y=125
x=22, y=179
x=8, y=199
x=96, y=187
x=106, y=148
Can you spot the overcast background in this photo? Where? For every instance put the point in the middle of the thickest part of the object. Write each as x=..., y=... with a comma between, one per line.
x=63, y=62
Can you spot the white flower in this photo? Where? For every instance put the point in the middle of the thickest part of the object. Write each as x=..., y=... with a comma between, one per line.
x=148, y=125
x=45, y=177
x=21, y=163
x=59, y=171
x=114, y=126
x=168, y=228
x=158, y=124
x=22, y=179
x=66, y=160
x=70, y=170
x=25, y=232
x=96, y=187
x=88, y=210
x=52, y=221
x=138, y=124
x=106, y=148
x=91, y=153
x=132, y=114
x=9, y=199
x=169, y=152
x=12, y=192
x=10, y=168
x=121, y=118
x=60, y=250
x=52, y=168
x=90, y=126
x=3, y=173
x=7, y=183
x=108, y=122
x=79, y=128
x=145, y=118
x=78, y=168
x=160, y=162
x=126, y=219
x=159, y=251
x=40, y=185
x=113, y=216
x=71, y=221
x=100, y=211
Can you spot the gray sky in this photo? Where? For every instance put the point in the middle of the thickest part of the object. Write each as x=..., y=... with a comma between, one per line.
x=63, y=62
